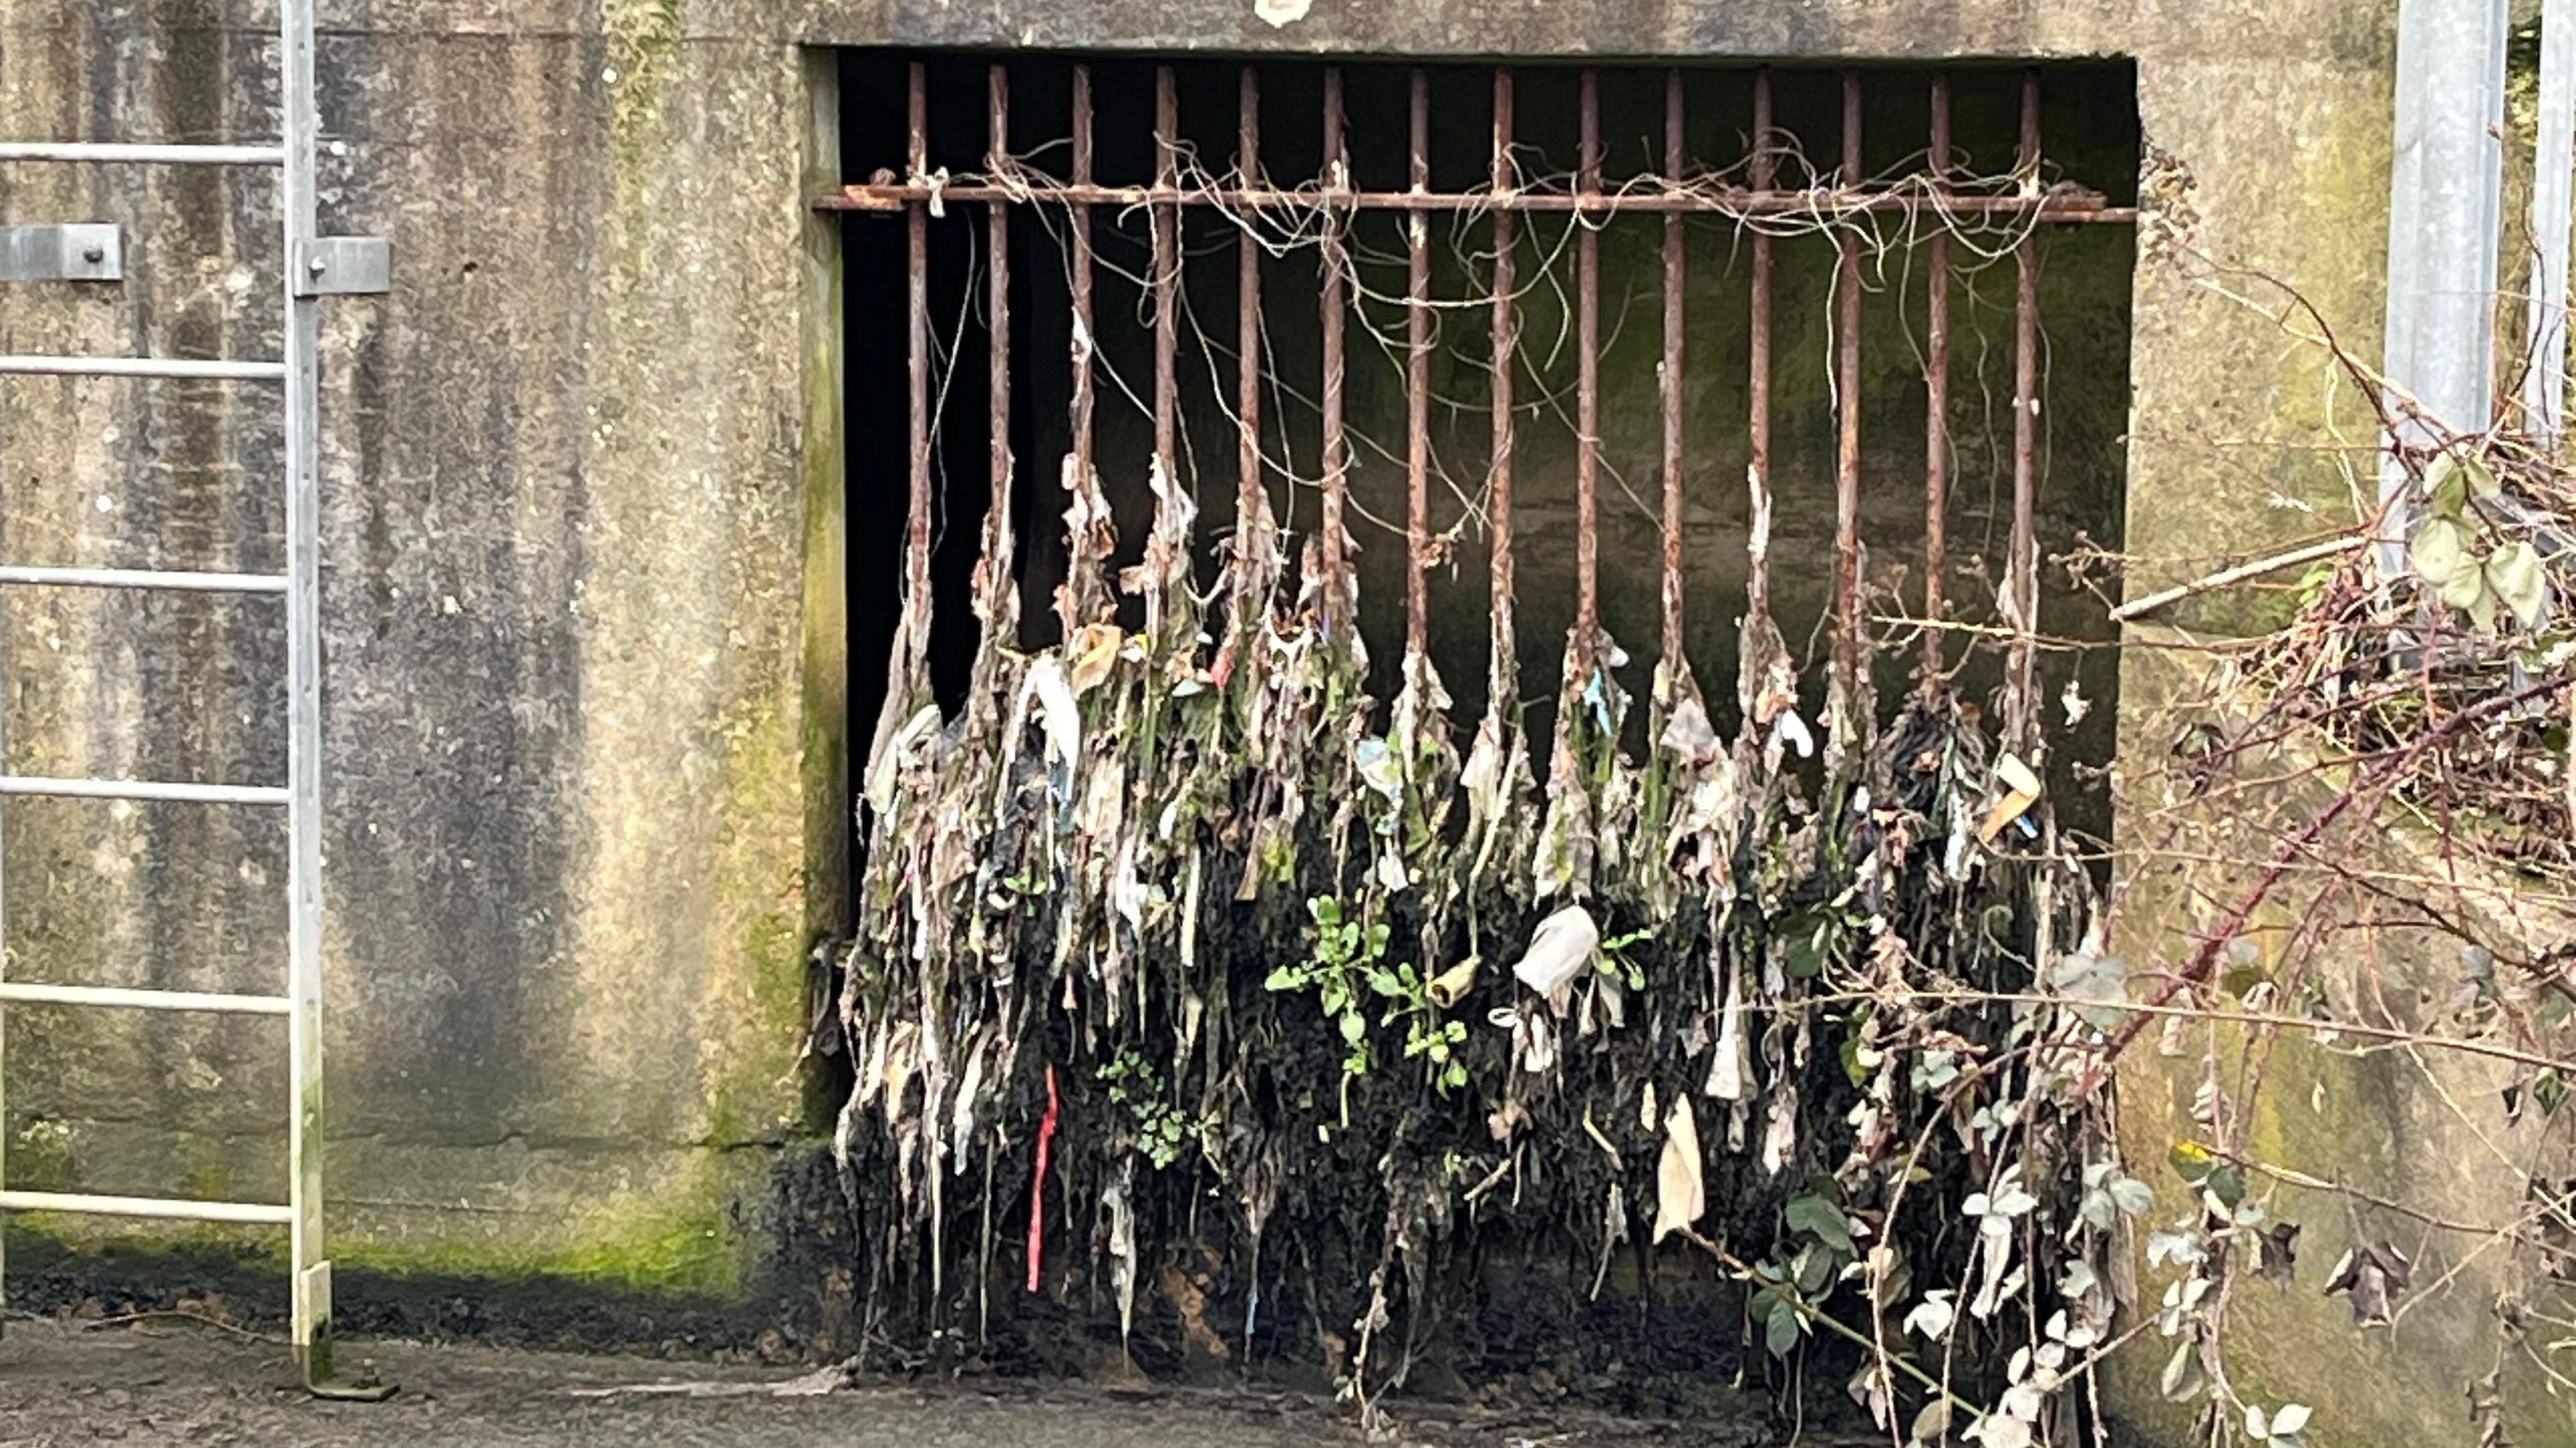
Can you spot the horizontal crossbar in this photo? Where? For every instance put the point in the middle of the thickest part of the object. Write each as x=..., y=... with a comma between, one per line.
x=33, y=994
x=175, y=368
x=118, y=151
x=2056, y=207
x=171, y=1208
x=141, y=789
x=173, y=579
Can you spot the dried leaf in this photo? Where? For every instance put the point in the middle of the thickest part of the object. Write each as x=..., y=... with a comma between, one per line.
x=1680, y=1198
x=2514, y=573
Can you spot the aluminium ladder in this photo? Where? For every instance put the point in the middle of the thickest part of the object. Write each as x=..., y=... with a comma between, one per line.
x=315, y=267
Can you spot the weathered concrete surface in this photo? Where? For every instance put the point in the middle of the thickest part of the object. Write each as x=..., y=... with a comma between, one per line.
x=583, y=673
x=2424, y=1145
x=569, y=743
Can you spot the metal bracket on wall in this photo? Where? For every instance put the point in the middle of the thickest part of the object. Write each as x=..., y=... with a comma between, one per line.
x=343, y=266
x=80, y=252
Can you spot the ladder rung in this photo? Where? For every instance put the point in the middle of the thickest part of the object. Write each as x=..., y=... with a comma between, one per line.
x=181, y=581
x=179, y=368
x=184, y=155
x=27, y=992
x=141, y=789
x=174, y=1208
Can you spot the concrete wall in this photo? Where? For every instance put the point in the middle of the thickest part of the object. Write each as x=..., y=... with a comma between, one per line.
x=574, y=731
x=582, y=494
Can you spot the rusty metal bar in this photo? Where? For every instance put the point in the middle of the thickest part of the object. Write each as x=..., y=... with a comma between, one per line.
x=916, y=586
x=1504, y=680
x=997, y=322
x=1757, y=467
x=1166, y=225
x=1081, y=225
x=2059, y=208
x=1247, y=367
x=1846, y=642
x=1587, y=399
x=1936, y=397
x=1336, y=461
x=2023, y=573
x=1417, y=390
x=1671, y=378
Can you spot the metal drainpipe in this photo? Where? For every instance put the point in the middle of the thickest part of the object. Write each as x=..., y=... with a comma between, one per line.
x=2444, y=199
x=2544, y=382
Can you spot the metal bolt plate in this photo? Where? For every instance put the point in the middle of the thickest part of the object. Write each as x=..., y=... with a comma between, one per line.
x=344, y=266
x=81, y=252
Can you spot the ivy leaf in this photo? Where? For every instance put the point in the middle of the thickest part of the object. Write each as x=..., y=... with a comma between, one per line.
x=2227, y=1184
x=2181, y=1379
x=1780, y=1331
x=2439, y=551
x=2450, y=483
x=1999, y=1430
x=1932, y=1316
x=1819, y=1218
x=2514, y=573
x=2133, y=1196
x=2481, y=604
x=1805, y=958
x=2091, y=977
x=2483, y=486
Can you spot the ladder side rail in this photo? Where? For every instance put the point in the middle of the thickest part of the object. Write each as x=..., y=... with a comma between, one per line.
x=310, y=1283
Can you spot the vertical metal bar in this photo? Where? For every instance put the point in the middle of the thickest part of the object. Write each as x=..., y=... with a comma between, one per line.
x=1757, y=468
x=1587, y=395
x=1671, y=378
x=1846, y=642
x=1247, y=368
x=1417, y=389
x=2445, y=192
x=1166, y=222
x=2544, y=380
x=1936, y=394
x=1504, y=677
x=1002, y=613
x=310, y=1285
x=1336, y=184
x=2023, y=571
x=4, y=974
x=915, y=645
x=1082, y=336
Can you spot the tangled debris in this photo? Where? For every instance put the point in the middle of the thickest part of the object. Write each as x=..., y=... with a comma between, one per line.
x=1239, y=987
x=1271, y=950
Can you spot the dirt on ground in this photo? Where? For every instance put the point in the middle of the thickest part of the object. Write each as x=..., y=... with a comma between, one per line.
x=180, y=1381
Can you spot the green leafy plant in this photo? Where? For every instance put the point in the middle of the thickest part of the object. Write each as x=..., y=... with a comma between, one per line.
x=1426, y=1036
x=1163, y=1131
x=1347, y=958
x=1616, y=960
x=2445, y=549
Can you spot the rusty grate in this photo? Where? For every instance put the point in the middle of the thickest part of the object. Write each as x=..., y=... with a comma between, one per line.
x=1928, y=202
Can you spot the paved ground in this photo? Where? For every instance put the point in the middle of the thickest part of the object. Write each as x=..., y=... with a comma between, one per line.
x=175, y=1382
